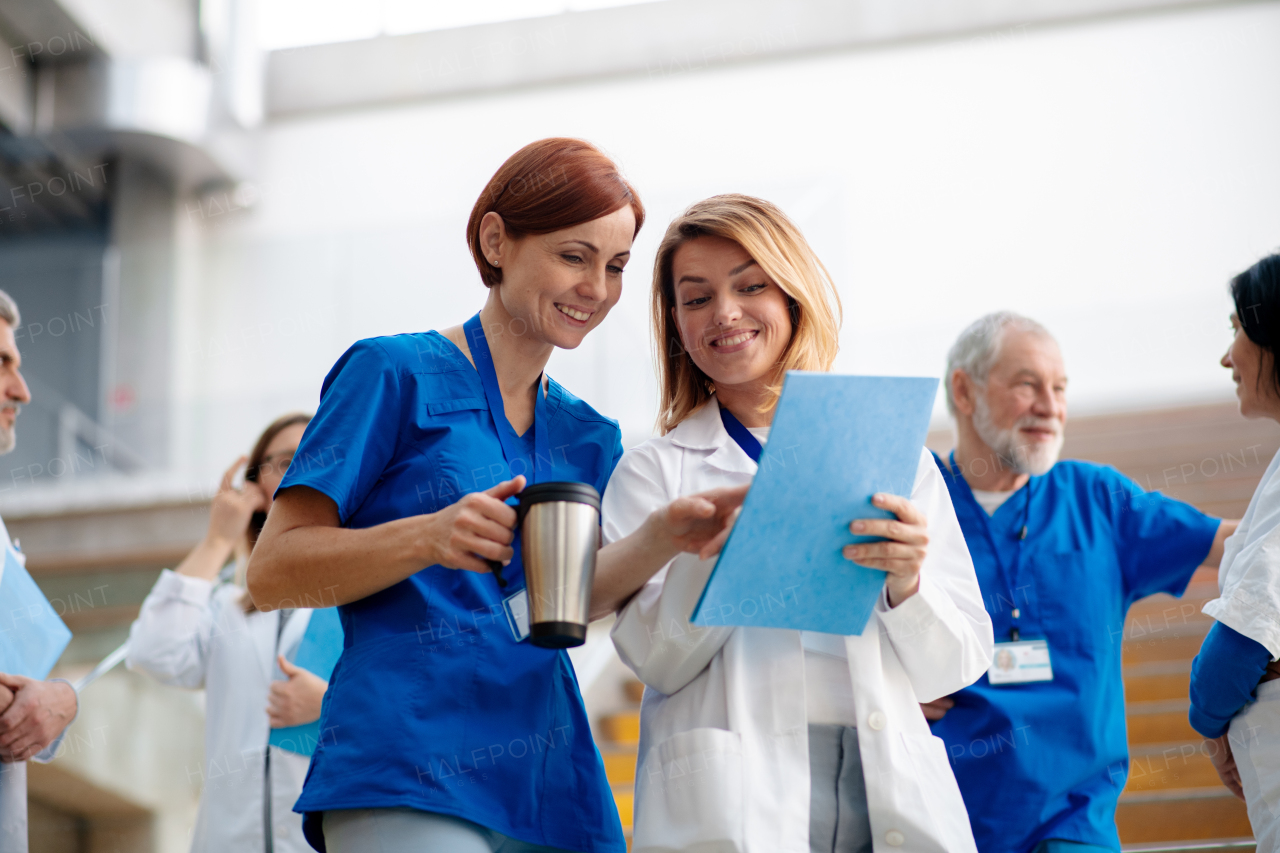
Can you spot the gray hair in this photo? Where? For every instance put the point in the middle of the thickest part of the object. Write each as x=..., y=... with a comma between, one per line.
x=977, y=349
x=9, y=310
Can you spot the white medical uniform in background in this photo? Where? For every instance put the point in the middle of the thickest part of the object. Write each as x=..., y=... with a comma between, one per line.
x=1249, y=603
x=193, y=633
x=13, y=775
x=724, y=753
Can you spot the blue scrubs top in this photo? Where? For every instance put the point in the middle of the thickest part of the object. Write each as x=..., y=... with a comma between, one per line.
x=434, y=705
x=1048, y=759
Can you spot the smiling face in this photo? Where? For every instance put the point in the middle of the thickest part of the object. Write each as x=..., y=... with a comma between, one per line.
x=1251, y=370
x=732, y=318
x=1021, y=411
x=557, y=287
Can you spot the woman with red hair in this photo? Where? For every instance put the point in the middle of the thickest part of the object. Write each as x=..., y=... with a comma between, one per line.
x=450, y=731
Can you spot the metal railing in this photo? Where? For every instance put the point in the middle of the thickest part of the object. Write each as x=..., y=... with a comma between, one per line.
x=104, y=666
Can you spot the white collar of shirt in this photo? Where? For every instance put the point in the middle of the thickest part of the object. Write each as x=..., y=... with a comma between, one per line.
x=703, y=430
x=990, y=501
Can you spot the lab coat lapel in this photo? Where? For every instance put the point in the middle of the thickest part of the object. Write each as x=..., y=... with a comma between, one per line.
x=703, y=430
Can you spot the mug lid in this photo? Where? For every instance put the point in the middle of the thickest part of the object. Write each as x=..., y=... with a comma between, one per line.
x=540, y=493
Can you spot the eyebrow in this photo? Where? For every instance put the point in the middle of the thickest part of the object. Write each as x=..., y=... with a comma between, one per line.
x=697, y=279
x=591, y=247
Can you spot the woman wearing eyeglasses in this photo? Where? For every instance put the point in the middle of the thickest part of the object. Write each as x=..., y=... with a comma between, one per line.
x=198, y=628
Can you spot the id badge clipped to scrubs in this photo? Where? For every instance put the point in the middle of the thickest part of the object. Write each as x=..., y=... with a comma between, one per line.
x=516, y=607
x=1021, y=662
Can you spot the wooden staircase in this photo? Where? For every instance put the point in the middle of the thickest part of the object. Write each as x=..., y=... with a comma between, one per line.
x=618, y=743
x=1173, y=792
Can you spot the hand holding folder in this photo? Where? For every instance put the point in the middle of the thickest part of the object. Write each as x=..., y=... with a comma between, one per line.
x=318, y=653
x=835, y=442
x=32, y=636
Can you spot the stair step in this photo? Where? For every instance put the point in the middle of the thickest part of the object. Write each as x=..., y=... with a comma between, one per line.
x=1169, y=610
x=624, y=727
x=1164, y=721
x=1168, y=766
x=619, y=765
x=1163, y=646
x=1181, y=815
x=1161, y=680
x=1212, y=845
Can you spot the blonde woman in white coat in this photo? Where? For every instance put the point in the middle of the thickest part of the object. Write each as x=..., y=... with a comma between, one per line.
x=199, y=629
x=770, y=740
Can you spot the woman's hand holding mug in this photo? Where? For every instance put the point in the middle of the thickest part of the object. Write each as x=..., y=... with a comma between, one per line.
x=902, y=555
x=477, y=527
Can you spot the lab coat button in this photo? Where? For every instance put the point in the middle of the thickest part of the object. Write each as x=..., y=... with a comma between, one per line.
x=895, y=838
x=875, y=721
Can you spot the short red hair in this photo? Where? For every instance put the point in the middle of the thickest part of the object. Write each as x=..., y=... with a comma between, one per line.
x=546, y=186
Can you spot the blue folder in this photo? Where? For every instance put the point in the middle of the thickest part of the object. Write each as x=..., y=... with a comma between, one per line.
x=318, y=652
x=32, y=636
x=835, y=442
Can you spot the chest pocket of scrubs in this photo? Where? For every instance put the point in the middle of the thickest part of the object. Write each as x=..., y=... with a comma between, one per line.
x=446, y=437
x=462, y=404
x=1074, y=595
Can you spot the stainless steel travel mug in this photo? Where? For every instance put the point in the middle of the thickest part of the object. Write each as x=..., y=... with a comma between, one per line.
x=559, y=536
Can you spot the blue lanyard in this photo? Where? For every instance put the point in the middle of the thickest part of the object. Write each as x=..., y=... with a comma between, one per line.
x=748, y=442
x=1009, y=578
x=511, y=447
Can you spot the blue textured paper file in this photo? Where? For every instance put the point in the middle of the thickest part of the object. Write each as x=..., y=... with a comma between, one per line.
x=318, y=652
x=835, y=442
x=32, y=636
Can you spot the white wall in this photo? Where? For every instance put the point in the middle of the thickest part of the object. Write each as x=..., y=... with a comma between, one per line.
x=1106, y=178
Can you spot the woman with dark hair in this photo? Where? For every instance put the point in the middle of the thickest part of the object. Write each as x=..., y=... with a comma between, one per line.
x=199, y=628
x=1235, y=694
x=452, y=732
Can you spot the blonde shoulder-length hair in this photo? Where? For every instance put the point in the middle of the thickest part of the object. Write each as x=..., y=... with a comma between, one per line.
x=777, y=246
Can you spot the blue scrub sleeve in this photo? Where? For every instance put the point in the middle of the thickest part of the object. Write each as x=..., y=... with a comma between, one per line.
x=1163, y=541
x=354, y=434
x=1223, y=678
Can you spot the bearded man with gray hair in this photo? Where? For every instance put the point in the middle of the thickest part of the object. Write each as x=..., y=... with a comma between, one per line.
x=33, y=713
x=1061, y=550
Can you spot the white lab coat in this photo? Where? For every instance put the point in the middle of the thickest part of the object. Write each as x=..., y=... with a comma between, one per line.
x=192, y=633
x=13, y=775
x=724, y=753
x=1249, y=602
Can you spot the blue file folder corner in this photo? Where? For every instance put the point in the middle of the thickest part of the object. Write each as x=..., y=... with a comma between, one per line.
x=835, y=442
x=32, y=635
x=318, y=653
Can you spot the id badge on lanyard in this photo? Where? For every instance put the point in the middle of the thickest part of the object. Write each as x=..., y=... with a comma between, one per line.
x=1020, y=663
x=516, y=604
x=516, y=607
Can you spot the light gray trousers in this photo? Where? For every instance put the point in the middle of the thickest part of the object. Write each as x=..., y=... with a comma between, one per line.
x=838, y=819
x=412, y=831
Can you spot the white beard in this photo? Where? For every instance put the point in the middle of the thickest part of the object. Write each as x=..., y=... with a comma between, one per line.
x=8, y=435
x=1033, y=458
